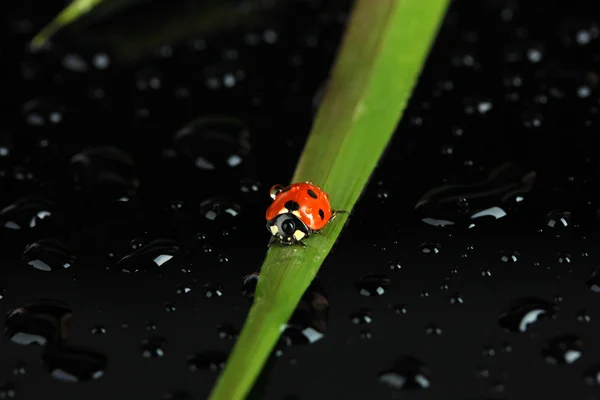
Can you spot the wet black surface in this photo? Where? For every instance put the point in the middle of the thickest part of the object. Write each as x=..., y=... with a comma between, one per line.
x=133, y=200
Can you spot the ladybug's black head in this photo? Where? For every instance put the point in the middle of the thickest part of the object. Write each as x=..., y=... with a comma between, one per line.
x=288, y=228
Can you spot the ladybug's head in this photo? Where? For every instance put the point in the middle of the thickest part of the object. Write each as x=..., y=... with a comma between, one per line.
x=288, y=228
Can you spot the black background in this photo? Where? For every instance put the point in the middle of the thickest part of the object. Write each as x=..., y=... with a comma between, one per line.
x=531, y=62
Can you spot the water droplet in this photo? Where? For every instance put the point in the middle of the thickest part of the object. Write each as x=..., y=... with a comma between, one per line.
x=43, y=112
x=40, y=322
x=308, y=323
x=361, y=317
x=208, y=360
x=249, y=186
x=227, y=331
x=564, y=258
x=249, y=285
x=563, y=350
x=407, y=373
x=509, y=256
x=8, y=391
x=213, y=290
x=466, y=205
x=373, y=285
x=153, y=347
x=221, y=210
x=136, y=243
x=366, y=334
x=183, y=289
x=48, y=255
x=72, y=364
x=26, y=213
x=583, y=316
x=20, y=369
x=431, y=248
x=223, y=258
x=98, y=330
x=225, y=75
x=558, y=219
x=525, y=311
x=591, y=375
x=593, y=281
x=395, y=265
x=105, y=171
x=214, y=143
x=456, y=298
x=488, y=351
x=153, y=254
x=400, y=309
x=433, y=329
x=151, y=326
x=170, y=307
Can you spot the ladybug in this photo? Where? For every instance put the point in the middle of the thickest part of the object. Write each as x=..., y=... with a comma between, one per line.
x=297, y=211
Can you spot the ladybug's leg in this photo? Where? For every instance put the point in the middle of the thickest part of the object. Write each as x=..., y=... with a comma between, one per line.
x=302, y=243
x=271, y=241
x=335, y=213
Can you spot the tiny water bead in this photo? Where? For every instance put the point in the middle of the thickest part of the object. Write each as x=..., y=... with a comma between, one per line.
x=524, y=312
x=98, y=330
x=363, y=316
x=42, y=112
x=583, y=316
x=26, y=213
x=207, y=360
x=556, y=219
x=104, y=171
x=593, y=282
x=400, y=309
x=249, y=285
x=456, y=298
x=20, y=369
x=214, y=143
x=8, y=391
x=433, y=329
x=309, y=321
x=591, y=375
x=212, y=290
x=395, y=265
x=40, y=323
x=75, y=364
x=153, y=347
x=220, y=209
x=152, y=254
x=564, y=349
x=509, y=256
x=373, y=285
x=227, y=331
x=48, y=255
x=564, y=258
x=183, y=289
x=407, y=373
x=431, y=248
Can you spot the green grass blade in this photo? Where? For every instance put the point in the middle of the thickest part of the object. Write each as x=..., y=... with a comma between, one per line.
x=71, y=13
x=383, y=51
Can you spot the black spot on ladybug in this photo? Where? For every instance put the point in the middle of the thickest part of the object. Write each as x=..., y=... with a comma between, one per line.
x=286, y=189
x=292, y=205
x=312, y=194
x=321, y=214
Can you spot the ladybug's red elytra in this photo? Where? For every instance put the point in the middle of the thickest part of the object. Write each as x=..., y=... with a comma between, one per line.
x=297, y=211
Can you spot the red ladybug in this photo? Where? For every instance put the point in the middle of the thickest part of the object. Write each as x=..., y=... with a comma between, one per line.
x=297, y=211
